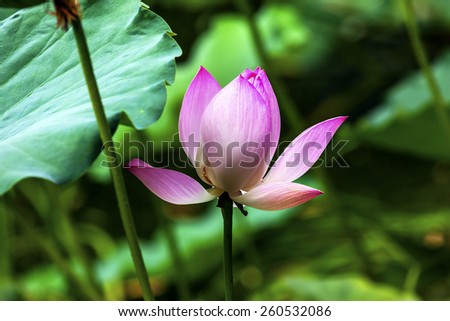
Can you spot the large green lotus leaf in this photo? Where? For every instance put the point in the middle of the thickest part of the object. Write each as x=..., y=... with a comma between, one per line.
x=47, y=126
x=407, y=121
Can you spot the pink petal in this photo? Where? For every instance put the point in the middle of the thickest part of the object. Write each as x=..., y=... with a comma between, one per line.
x=233, y=129
x=304, y=151
x=277, y=196
x=259, y=80
x=171, y=186
x=199, y=93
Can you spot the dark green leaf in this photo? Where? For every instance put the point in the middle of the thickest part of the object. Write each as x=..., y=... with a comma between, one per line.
x=407, y=121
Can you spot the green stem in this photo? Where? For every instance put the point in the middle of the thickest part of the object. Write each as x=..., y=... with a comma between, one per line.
x=115, y=169
x=422, y=59
x=226, y=204
x=287, y=105
x=52, y=252
x=180, y=269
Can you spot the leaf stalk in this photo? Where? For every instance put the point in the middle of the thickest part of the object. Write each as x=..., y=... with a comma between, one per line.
x=114, y=166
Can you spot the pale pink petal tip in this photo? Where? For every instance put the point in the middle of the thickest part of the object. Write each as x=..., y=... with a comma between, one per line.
x=199, y=93
x=277, y=196
x=304, y=151
x=172, y=186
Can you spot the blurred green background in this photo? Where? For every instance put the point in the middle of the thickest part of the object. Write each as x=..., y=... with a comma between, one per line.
x=381, y=231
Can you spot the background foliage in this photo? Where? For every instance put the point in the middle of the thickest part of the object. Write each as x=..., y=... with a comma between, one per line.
x=381, y=231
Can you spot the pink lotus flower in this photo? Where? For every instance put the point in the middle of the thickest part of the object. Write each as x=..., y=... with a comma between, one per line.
x=230, y=134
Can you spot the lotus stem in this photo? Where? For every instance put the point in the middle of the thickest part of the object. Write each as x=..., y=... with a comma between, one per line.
x=226, y=204
x=114, y=166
